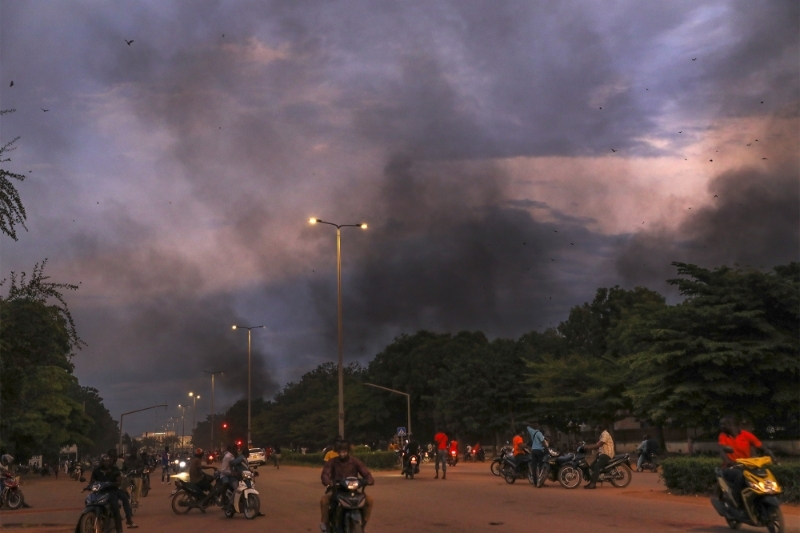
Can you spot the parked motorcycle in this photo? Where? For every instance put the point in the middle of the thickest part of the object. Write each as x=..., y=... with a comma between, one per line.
x=497, y=464
x=346, y=504
x=760, y=506
x=617, y=471
x=648, y=464
x=97, y=516
x=557, y=467
x=518, y=466
x=11, y=494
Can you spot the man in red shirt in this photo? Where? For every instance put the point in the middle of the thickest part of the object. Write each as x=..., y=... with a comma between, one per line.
x=441, y=453
x=735, y=443
x=519, y=444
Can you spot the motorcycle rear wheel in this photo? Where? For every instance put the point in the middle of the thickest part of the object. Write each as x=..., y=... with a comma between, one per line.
x=252, y=506
x=15, y=500
x=569, y=477
x=181, y=497
x=509, y=475
x=776, y=523
x=496, y=467
x=626, y=476
x=91, y=523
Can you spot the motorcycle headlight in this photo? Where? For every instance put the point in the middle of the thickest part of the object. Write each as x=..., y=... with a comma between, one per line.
x=247, y=475
x=95, y=487
x=352, y=485
x=767, y=486
x=182, y=464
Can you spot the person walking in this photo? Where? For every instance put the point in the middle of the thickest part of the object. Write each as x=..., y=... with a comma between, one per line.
x=441, y=453
x=276, y=456
x=165, y=465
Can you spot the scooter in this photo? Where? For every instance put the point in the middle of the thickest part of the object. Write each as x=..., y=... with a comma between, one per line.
x=347, y=502
x=97, y=516
x=648, y=464
x=410, y=465
x=245, y=498
x=452, y=458
x=760, y=506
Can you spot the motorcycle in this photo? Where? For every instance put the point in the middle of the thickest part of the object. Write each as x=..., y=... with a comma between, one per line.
x=188, y=496
x=760, y=506
x=11, y=493
x=518, y=466
x=346, y=504
x=76, y=473
x=617, y=472
x=97, y=516
x=557, y=467
x=410, y=465
x=648, y=464
x=245, y=498
x=426, y=456
x=452, y=458
x=497, y=464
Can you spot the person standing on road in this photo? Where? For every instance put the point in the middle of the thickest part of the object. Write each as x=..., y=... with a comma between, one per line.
x=441, y=453
x=276, y=456
x=165, y=465
x=537, y=448
x=606, y=447
x=132, y=467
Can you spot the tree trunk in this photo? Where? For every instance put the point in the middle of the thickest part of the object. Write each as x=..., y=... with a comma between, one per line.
x=660, y=436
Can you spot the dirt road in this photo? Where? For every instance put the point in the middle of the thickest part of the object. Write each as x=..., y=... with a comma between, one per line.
x=469, y=501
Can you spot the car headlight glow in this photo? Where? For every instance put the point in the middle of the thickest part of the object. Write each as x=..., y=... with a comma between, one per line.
x=182, y=464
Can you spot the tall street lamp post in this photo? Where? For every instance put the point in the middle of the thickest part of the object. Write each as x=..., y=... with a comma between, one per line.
x=249, y=330
x=212, y=403
x=194, y=398
x=339, y=307
x=183, y=422
x=122, y=417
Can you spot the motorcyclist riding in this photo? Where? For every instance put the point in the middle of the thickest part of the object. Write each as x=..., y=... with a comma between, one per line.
x=5, y=467
x=196, y=474
x=132, y=467
x=646, y=450
x=337, y=469
x=735, y=444
x=107, y=472
x=410, y=448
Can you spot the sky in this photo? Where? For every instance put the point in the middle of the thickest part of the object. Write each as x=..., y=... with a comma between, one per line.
x=509, y=158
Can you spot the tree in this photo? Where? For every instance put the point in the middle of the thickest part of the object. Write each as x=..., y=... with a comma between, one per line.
x=104, y=432
x=12, y=212
x=733, y=346
x=37, y=341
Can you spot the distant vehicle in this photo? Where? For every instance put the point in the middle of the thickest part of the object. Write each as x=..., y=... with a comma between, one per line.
x=257, y=456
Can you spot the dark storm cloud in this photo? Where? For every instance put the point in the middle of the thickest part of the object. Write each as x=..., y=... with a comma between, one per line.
x=752, y=221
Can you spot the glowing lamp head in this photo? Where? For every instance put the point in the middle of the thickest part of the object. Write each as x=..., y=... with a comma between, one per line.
x=312, y=220
x=192, y=394
x=363, y=225
x=233, y=327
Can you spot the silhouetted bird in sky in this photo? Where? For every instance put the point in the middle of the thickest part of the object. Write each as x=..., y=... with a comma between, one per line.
x=694, y=59
x=43, y=109
x=572, y=244
x=764, y=158
x=680, y=132
x=748, y=144
x=711, y=160
x=762, y=101
x=716, y=196
x=129, y=42
x=12, y=83
x=601, y=108
x=613, y=150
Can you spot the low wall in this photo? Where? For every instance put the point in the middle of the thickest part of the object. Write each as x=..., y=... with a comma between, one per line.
x=782, y=447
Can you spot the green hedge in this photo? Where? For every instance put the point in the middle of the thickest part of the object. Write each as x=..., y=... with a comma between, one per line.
x=373, y=460
x=693, y=475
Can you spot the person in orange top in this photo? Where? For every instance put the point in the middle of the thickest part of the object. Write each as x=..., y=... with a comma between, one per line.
x=519, y=444
x=735, y=443
x=441, y=453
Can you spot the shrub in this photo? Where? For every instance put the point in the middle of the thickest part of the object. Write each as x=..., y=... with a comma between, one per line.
x=374, y=460
x=693, y=475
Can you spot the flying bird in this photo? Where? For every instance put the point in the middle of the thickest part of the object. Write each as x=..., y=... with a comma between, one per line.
x=551, y=259
x=45, y=110
x=129, y=42
x=555, y=231
x=764, y=158
x=613, y=150
x=572, y=244
x=680, y=132
x=716, y=196
x=12, y=83
x=711, y=160
x=748, y=144
x=762, y=101
x=601, y=108
x=694, y=59
x=756, y=140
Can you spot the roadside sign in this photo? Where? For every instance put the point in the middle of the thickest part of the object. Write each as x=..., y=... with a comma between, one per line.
x=401, y=432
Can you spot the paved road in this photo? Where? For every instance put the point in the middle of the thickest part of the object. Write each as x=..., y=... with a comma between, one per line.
x=468, y=501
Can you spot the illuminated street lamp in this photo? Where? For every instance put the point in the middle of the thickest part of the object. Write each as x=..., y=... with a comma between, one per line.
x=338, y=227
x=183, y=422
x=249, y=330
x=194, y=398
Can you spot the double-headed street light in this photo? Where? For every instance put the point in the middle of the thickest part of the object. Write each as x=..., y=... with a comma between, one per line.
x=249, y=330
x=338, y=227
x=194, y=398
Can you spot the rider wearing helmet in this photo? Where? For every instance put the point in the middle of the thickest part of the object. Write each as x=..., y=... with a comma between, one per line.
x=5, y=462
x=196, y=474
x=337, y=469
x=107, y=472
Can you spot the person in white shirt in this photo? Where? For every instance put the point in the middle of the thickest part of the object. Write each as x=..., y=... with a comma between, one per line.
x=606, y=447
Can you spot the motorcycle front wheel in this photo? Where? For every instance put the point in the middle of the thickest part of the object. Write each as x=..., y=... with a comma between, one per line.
x=509, y=475
x=621, y=476
x=91, y=523
x=496, y=467
x=252, y=506
x=180, y=502
x=776, y=523
x=356, y=527
x=15, y=500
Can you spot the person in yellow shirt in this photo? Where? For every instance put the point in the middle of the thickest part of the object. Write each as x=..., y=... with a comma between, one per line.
x=332, y=451
x=606, y=446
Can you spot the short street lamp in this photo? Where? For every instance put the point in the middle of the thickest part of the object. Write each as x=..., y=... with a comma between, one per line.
x=338, y=227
